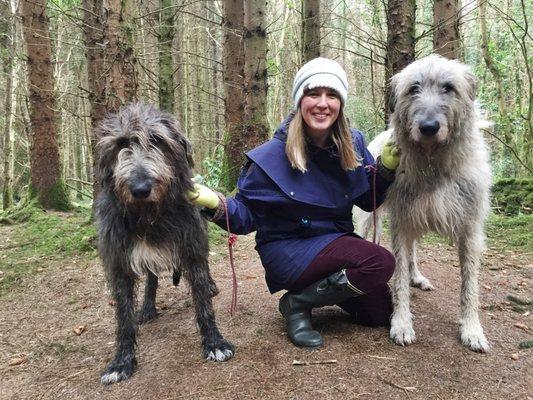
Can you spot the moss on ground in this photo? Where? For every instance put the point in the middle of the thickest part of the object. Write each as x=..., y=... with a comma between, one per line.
x=503, y=232
x=510, y=233
x=43, y=236
x=217, y=236
x=513, y=196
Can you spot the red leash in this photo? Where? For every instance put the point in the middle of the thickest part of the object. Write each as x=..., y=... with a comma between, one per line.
x=374, y=170
x=232, y=238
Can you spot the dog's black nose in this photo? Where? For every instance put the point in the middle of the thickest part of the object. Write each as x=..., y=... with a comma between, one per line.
x=429, y=127
x=141, y=190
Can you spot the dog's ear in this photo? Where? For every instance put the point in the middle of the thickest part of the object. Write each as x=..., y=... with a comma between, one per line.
x=174, y=128
x=104, y=149
x=471, y=81
x=392, y=94
x=188, y=150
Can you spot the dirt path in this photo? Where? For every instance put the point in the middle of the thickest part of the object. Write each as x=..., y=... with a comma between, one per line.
x=37, y=321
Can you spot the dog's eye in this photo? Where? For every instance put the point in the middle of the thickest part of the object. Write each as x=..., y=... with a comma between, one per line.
x=156, y=141
x=123, y=143
x=414, y=88
x=448, y=88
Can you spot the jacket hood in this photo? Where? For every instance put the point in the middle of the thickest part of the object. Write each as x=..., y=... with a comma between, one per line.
x=283, y=128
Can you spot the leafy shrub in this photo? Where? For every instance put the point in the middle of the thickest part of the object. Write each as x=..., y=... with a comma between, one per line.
x=213, y=166
x=512, y=196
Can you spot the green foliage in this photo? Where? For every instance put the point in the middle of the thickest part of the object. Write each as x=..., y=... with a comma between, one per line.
x=510, y=233
x=59, y=197
x=369, y=123
x=503, y=233
x=21, y=212
x=216, y=235
x=56, y=198
x=513, y=196
x=213, y=167
x=43, y=236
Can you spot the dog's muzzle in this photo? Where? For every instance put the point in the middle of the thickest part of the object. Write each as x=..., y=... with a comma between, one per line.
x=141, y=189
x=429, y=127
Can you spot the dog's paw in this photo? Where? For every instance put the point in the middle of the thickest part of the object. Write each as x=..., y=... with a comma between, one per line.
x=475, y=339
x=422, y=283
x=118, y=370
x=221, y=350
x=402, y=331
x=145, y=314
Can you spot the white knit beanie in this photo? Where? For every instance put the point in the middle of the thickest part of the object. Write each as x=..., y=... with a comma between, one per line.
x=320, y=72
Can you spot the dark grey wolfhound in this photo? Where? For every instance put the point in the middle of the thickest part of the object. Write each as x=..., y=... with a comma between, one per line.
x=146, y=225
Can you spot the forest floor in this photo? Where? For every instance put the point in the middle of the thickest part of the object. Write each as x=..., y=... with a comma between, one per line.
x=42, y=357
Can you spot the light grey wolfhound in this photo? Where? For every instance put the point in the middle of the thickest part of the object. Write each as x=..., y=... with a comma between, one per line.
x=442, y=184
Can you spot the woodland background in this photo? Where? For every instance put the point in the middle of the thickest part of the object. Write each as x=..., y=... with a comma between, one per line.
x=225, y=69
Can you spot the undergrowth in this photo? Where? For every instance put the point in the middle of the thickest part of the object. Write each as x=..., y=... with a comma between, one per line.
x=513, y=233
x=42, y=236
x=28, y=246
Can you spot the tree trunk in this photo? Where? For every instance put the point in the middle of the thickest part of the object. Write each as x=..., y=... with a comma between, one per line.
x=446, y=39
x=255, y=74
x=400, y=41
x=166, y=66
x=46, y=184
x=489, y=61
x=7, y=53
x=93, y=29
x=310, y=29
x=233, y=54
x=94, y=34
x=111, y=73
x=121, y=79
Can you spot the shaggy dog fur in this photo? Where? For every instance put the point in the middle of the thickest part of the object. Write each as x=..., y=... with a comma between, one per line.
x=442, y=184
x=146, y=225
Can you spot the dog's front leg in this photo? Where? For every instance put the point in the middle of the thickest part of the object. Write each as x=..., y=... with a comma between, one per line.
x=124, y=363
x=401, y=331
x=148, y=311
x=203, y=288
x=417, y=279
x=471, y=331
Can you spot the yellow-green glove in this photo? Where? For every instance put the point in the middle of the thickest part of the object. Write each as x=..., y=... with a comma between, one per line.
x=390, y=155
x=203, y=196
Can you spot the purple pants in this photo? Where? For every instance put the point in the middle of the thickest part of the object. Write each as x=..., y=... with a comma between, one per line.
x=368, y=267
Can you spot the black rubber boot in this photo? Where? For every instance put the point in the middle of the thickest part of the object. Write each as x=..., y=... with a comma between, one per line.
x=296, y=306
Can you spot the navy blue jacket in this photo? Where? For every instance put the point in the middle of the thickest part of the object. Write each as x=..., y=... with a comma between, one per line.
x=297, y=214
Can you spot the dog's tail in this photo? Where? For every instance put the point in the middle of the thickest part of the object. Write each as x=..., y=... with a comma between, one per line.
x=176, y=277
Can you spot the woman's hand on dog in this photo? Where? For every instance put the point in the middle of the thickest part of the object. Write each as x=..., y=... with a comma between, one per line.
x=390, y=155
x=203, y=196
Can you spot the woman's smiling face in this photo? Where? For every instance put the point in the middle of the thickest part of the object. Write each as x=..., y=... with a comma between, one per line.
x=320, y=108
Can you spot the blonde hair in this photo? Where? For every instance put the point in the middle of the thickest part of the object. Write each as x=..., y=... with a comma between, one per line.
x=296, y=148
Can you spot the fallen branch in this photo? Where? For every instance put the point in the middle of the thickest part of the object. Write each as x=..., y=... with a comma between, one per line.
x=381, y=357
x=406, y=388
x=296, y=362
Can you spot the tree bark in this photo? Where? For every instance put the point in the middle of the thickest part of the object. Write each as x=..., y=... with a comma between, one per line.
x=120, y=61
x=7, y=53
x=166, y=66
x=46, y=183
x=233, y=55
x=400, y=41
x=94, y=33
x=310, y=29
x=255, y=74
x=446, y=38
